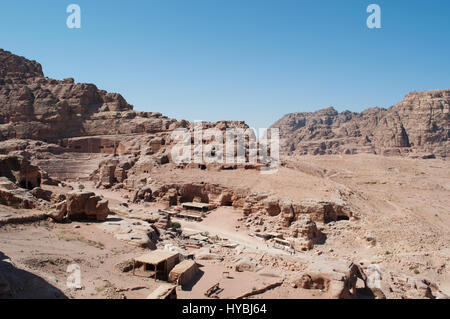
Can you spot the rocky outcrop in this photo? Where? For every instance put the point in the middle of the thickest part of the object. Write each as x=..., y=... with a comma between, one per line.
x=398, y=285
x=418, y=124
x=86, y=204
x=184, y=272
x=19, y=170
x=20, y=283
x=319, y=211
x=81, y=205
x=13, y=196
x=187, y=192
x=77, y=116
x=335, y=278
x=36, y=107
x=143, y=194
x=272, y=206
x=304, y=233
x=206, y=254
x=245, y=264
x=16, y=67
x=81, y=118
x=136, y=232
x=112, y=171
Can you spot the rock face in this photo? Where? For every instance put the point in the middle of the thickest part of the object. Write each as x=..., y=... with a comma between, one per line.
x=82, y=205
x=19, y=170
x=420, y=123
x=59, y=122
x=81, y=118
x=20, y=283
x=36, y=107
x=11, y=195
x=16, y=176
x=5, y=288
x=184, y=272
x=337, y=279
x=305, y=232
x=136, y=232
x=245, y=264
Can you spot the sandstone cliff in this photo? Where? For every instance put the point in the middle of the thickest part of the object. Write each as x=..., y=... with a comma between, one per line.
x=36, y=107
x=81, y=118
x=418, y=124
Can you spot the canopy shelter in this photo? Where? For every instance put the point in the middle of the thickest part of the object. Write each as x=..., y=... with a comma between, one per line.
x=156, y=262
x=203, y=207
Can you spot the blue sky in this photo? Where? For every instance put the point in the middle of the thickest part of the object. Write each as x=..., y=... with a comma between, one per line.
x=252, y=60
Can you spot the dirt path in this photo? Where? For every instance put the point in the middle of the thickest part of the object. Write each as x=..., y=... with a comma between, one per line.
x=222, y=222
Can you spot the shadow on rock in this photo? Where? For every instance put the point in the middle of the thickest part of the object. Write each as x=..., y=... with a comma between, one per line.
x=17, y=283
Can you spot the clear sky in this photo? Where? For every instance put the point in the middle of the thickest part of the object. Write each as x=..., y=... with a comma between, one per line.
x=252, y=60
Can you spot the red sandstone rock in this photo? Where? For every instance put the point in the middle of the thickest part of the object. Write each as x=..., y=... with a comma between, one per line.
x=19, y=170
x=86, y=205
x=420, y=123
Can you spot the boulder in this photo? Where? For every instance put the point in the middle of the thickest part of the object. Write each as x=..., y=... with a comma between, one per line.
x=322, y=211
x=11, y=195
x=86, y=205
x=144, y=193
x=245, y=264
x=272, y=207
x=287, y=212
x=206, y=254
x=335, y=278
x=41, y=194
x=305, y=227
x=136, y=232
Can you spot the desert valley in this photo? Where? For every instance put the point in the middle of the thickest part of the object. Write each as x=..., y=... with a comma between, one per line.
x=358, y=206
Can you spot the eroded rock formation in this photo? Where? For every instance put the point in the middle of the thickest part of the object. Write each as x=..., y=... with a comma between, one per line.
x=19, y=170
x=419, y=124
x=81, y=205
x=36, y=107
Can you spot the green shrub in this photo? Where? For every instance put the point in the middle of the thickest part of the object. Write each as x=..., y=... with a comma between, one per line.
x=175, y=225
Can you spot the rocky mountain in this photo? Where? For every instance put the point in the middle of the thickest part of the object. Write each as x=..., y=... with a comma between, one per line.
x=54, y=123
x=36, y=107
x=420, y=124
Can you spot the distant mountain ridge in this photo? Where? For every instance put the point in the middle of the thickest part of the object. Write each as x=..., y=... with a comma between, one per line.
x=418, y=124
x=33, y=106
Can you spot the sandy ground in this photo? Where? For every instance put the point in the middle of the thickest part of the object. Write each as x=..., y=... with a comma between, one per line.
x=47, y=249
x=223, y=222
x=403, y=203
